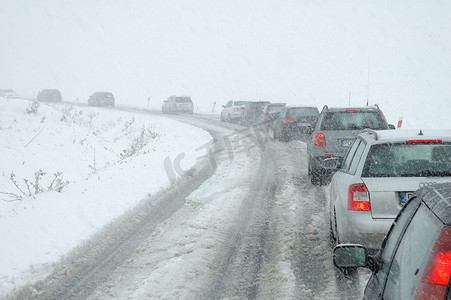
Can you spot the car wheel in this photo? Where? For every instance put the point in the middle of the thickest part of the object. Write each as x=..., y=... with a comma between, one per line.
x=229, y=118
x=317, y=177
x=222, y=118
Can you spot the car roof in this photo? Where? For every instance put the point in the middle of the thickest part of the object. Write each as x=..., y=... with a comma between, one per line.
x=276, y=104
x=346, y=108
x=301, y=106
x=438, y=198
x=401, y=135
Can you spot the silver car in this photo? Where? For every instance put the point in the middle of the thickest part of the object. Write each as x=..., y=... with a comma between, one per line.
x=334, y=132
x=379, y=173
x=231, y=112
x=175, y=104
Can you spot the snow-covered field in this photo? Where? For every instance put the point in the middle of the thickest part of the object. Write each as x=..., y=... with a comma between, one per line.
x=67, y=172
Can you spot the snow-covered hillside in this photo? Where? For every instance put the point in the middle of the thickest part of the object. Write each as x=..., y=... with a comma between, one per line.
x=106, y=162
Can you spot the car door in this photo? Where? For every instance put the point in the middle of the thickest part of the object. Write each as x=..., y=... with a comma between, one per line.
x=412, y=255
x=376, y=283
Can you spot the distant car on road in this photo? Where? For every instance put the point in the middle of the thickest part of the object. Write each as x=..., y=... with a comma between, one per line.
x=252, y=112
x=334, y=132
x=8, y=94
x=379, y=173
x=231, y=112
x=49, y=95
x=295, y=122
x=178, y=104
x=415, y=259
x=270, y=112
x=101, y=99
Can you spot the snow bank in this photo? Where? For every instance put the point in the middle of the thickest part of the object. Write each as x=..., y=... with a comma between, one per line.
x=104, y=162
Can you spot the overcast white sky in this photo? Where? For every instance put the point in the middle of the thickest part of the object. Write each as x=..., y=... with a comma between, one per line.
x=296, y=51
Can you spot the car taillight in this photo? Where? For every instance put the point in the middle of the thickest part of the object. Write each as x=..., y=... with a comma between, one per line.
x=320, y=139
x=236, y=109
x=286, y=121
x=266, y=117
x=434, y=283
x=353, y=110
x=358, y=197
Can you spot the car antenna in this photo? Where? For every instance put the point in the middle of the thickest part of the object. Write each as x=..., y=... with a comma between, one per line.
x=349, y=101
x=421, y=132
x=368, y=85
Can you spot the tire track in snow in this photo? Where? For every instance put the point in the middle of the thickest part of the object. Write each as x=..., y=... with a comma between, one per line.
x=250, y=241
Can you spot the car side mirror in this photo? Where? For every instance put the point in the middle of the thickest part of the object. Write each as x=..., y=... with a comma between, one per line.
x=391, y=126
x=350, y=256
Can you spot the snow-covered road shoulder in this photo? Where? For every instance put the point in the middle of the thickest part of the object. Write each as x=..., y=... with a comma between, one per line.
x=67, y=172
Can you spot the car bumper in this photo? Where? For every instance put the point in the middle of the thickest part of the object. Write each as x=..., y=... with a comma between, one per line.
x=235, y=115
x=181, y=110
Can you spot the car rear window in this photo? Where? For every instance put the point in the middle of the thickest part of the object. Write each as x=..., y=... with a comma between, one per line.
x=408, y=160
x=183, y=100
x=275, y=108
x=240, y=103
x=303, y=112
x=353, y=120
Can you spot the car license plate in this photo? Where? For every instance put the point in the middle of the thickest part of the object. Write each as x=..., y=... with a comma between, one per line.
x=346, y=143
x=303, y=124
x=404, y=197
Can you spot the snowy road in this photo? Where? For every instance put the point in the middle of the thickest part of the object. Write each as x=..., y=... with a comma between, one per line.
x=247, y=224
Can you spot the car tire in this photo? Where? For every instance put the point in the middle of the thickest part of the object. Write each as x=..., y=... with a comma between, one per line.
x=229, y=119
x=317, y=177
x=222, y=118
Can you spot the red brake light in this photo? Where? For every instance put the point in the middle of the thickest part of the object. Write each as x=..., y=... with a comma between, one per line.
x=423, y=141
x=266, y=117
x=434, y=282
x=320, y=139
x=236, y=109
x=353, y=110
x=286, y=121
x=358, y=197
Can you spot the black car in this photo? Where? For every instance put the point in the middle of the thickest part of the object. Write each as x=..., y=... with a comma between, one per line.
x=49, y=95
x=251, y=112
x=295, y=122
x=415, y=259
x=101, y=99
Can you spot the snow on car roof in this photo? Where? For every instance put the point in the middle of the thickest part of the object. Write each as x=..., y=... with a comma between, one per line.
x=410, y=134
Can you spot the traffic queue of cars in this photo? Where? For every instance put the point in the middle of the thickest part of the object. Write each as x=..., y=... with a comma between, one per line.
x=389, y=191
x=285, y=122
